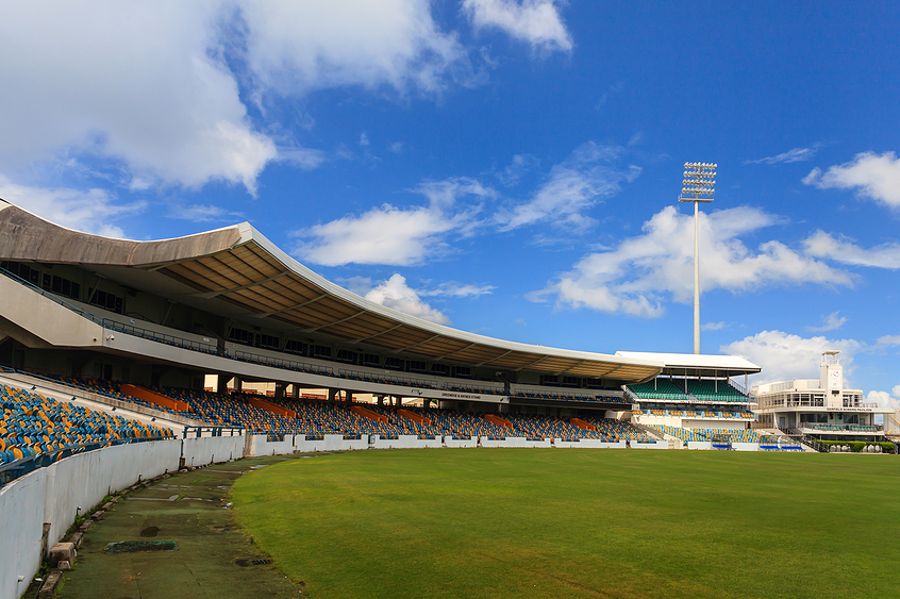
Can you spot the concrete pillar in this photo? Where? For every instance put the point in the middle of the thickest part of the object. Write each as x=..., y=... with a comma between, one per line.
x=279, y=390
x=399, y=403
x=222, y=383
x=380, y=400
x=349, y=397
x=295, y=391
x=238, y=384
x=332, y=395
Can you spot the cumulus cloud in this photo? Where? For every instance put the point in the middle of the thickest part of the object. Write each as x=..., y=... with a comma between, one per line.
x=396, y=236
x=170, y=111
x=885, y=399
x=887, y=340
x=874, y=176
x=296, y=47
x=92, y=211
x=94, y=79
x=831, y=322
x=823, y=245
x=714, y=326
x=788, y=157
x=572, y=187
x=536, y=22
x=785, y=356
x=397, y=294
x=640, y=273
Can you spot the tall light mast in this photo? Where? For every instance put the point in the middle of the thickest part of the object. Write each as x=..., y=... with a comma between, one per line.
x=698, y=185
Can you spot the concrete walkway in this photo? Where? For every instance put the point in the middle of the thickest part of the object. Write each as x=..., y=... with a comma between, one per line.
x=214, y=559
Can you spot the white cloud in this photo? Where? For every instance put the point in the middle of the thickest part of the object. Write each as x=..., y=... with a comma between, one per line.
x=451, y=289
x=714, y=326
x=397, y=294
x=822, y=245
x=831, y=322
x=636, y=276
x=304, y=158
x=92, y=211
x=95, y=79
x=788, y=157
x=889, y=340
x=392, y=235
x=168, y=110
x=885, y=399
x=296, y=47
x=875, y=176
x=536, y=22
x=572, y=187
x=518, y=167
x=203, y=213
x=785, y=356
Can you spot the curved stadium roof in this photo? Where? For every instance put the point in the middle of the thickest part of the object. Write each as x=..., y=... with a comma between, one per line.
x=238, y=271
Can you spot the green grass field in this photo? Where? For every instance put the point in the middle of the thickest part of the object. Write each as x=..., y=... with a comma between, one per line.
x=557, y=523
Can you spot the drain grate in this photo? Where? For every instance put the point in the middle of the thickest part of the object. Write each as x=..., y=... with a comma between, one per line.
x=133, y=546
x=245, y=562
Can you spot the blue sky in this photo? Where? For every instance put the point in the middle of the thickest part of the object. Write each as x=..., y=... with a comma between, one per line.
x=510, y=168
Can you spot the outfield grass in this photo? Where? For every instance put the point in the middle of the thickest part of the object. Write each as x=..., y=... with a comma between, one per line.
x=556, y=523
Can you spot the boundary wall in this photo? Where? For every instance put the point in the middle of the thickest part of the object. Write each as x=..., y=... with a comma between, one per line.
x=56, y=494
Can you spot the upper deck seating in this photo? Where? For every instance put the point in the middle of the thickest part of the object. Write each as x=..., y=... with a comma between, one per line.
x=674, y=390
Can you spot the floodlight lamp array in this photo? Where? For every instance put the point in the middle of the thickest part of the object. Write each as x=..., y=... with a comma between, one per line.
x=699, y=180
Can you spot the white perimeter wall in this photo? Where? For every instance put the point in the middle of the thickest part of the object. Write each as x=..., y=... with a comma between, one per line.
x=53, y=494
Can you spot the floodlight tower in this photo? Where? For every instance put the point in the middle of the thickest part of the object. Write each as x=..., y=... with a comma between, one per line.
x=699, y=185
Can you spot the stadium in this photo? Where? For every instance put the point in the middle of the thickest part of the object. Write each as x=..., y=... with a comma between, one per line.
x=402, y=298
x=108, y=344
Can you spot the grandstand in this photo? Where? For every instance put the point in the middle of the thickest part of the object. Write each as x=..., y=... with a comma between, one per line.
x=695, y=399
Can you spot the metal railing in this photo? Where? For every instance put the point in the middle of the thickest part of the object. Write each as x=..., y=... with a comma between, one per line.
x=247, y=356
x=196, y=432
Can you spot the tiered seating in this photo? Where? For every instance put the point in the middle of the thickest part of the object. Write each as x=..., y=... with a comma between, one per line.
x=711, y=434
x=707, y=390
x=233, y=410
x=674, y=390
x=618, y=430
x=661, y=388
x=33, y=425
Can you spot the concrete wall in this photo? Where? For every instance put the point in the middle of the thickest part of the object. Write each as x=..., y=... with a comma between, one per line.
x=590, y=444
x=654, y=445
x=54, y=494
x=207, y=450
x=405, y=442
x=451, y=442
x=699, y=445
x=745, y=446
x=294, y=443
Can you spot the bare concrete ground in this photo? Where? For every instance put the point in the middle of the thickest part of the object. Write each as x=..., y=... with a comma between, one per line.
x=214, y=559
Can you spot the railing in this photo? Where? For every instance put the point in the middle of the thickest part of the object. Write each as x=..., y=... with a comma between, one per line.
x=245, y=356
x=856, y=428
x=196, y=432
